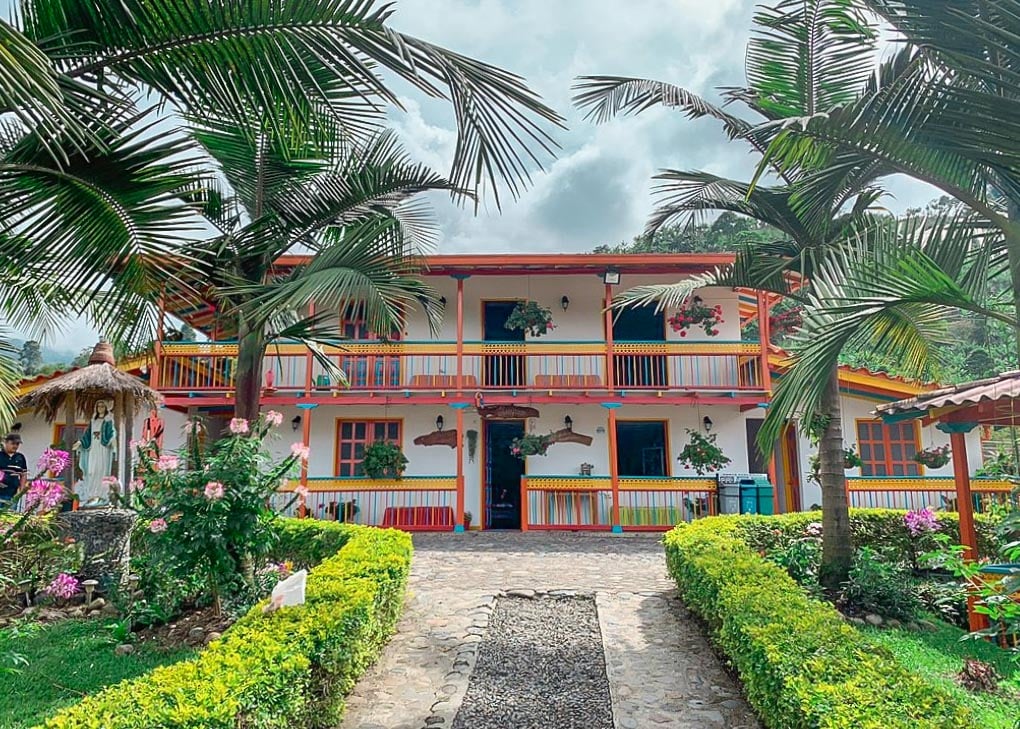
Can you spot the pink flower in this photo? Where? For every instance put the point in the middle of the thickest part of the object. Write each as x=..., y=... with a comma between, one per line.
x=110, y=481
x=238, y=426
x=63, y=587
x=274, y=418
x=921, y=521
x=157, y=526
x=814, y=529
x=140, y=443
x=300, y=450
x=45, y=494
x=167, y=463
x=214, y=490
x=54, y=460
x=301, y=491
x=137, y=485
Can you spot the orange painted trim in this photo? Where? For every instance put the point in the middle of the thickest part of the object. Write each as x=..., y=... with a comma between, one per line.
x=460, y=335
x=610, y=374
x=764, y=337
x=614, y=469
x=459, y=516
x=306, y=439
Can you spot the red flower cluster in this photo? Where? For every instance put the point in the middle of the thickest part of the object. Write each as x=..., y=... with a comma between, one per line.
x=696, y=313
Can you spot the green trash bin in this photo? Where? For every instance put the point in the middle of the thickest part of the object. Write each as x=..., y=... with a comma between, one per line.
x=756, y=495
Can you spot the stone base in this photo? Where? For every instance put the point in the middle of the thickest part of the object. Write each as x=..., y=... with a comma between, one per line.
x=105, y=538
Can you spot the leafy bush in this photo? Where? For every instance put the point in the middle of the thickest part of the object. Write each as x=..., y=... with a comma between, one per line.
x=944, y=598
x=384, y=459
x=205, y=511
x=289, y=668
x=802, y=559
x=878, y=586
x=882, y=530
x=801, y=664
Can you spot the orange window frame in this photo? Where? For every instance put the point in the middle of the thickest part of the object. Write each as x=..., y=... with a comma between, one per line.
x=903, y=437
x=347, y=465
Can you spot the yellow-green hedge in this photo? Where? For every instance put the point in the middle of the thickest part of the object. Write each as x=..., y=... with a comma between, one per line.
x=290, y=668
x=802, y=665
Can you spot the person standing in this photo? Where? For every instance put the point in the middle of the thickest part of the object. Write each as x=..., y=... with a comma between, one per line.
x=13, y=468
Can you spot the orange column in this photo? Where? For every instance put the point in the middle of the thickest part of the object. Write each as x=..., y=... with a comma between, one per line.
x=964, y=504
x=306, y=438
x=610, y=375
x=764, y=335
x=524, y=503
x=459, y=523
x=157, y=346
x=460, y=333
x=614, y=475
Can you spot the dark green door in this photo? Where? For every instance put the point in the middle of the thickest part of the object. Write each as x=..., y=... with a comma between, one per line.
x=503, y=472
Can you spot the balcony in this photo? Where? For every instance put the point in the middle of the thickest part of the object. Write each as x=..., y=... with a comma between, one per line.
x=405, y=368
x=932, y=492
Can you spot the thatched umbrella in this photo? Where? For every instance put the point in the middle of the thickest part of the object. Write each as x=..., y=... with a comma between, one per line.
x=78, y=391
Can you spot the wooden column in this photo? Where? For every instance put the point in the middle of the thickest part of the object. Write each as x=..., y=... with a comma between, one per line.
x=459, y=520
x=610, y=374
x=614, y=474
x=70, y=415
x=764, y=335
x=306, y=439
x=964, y=505
x=460, y=332
x=118, y=436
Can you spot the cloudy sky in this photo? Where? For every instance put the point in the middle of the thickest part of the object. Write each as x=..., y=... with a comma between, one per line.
x=596, y=190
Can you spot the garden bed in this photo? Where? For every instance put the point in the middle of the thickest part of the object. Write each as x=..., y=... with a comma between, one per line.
x=801, y=663
x=292, y=667
x=60, y=663
x=936, y=656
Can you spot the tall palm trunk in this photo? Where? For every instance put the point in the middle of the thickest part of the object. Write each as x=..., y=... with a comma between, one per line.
x=251, y=348
x=837, y=553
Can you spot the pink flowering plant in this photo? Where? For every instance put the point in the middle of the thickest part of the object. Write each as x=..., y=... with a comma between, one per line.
x=934, y=457
x=702, y=454
x=530, y=444
x=206, y=511
x=921, y=521
x=530, y=317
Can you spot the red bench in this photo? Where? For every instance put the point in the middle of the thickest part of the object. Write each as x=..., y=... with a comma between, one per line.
x=423, y=518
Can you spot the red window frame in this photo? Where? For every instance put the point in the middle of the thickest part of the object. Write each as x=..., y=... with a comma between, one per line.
x=888, y=449
x=352, y=436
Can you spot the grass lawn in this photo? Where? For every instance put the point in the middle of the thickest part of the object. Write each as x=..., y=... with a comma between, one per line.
x=938, y=656
x=66, y=661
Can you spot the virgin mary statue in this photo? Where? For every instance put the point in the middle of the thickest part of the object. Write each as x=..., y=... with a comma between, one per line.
x=97, y=448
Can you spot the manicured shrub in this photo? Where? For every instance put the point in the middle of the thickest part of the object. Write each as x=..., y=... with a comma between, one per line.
x=289, y=668
x=802, y=665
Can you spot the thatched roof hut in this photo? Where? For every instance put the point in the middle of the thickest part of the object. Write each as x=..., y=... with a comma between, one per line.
x=100, y=380
x=77, y=392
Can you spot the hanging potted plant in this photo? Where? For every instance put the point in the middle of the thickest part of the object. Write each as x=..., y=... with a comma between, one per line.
x=530, y=445
x=530, y=317
x=471, y=437
x=935, y=457
x=384, y=459
x=695, y=313
x=702, y=454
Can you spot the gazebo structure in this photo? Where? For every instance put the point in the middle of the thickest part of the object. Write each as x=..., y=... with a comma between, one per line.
x=957, y=410
x=78, y=391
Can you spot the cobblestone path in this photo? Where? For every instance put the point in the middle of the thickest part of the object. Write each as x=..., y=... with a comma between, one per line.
x=661, y=669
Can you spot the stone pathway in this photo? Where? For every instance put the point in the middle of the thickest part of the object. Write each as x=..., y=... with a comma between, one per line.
x=662, y=671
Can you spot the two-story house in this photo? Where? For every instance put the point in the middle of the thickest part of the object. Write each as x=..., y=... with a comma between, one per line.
x=619, y=393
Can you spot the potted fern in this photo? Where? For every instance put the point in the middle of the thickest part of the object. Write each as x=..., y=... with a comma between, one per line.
x=384, y=459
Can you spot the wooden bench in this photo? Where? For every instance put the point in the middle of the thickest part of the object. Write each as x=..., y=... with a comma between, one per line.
x=568, y=382
x=424, y=518
x=441, y=382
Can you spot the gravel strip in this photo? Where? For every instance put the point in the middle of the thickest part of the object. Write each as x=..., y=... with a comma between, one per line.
x=540, y=665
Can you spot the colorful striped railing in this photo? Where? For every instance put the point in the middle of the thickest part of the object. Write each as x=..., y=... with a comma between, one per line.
x=413, y=503
x=933, y=492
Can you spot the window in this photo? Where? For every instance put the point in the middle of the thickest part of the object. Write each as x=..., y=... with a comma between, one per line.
x=353, y=435
x=369, y=371
x=888, y=449
x=641, y=448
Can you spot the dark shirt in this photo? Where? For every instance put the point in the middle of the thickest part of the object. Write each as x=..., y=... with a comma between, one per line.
x=11, y=466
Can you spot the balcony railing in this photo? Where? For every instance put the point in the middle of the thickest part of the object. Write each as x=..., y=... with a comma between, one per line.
x=586, y=502
x=414, y=503
x=210, y=368
x=933, y=492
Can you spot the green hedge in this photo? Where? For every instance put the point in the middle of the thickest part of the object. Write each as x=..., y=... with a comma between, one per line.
x=880, y=529
x=290, y=668
x=802, y=665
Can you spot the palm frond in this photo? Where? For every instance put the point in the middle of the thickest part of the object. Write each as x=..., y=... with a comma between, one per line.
x=10, y=376
x=808, y=56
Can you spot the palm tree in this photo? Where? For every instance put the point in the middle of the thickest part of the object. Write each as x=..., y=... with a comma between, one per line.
x=950, y=119
x=806, y=57
x=91, y=185
x=351, y=207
